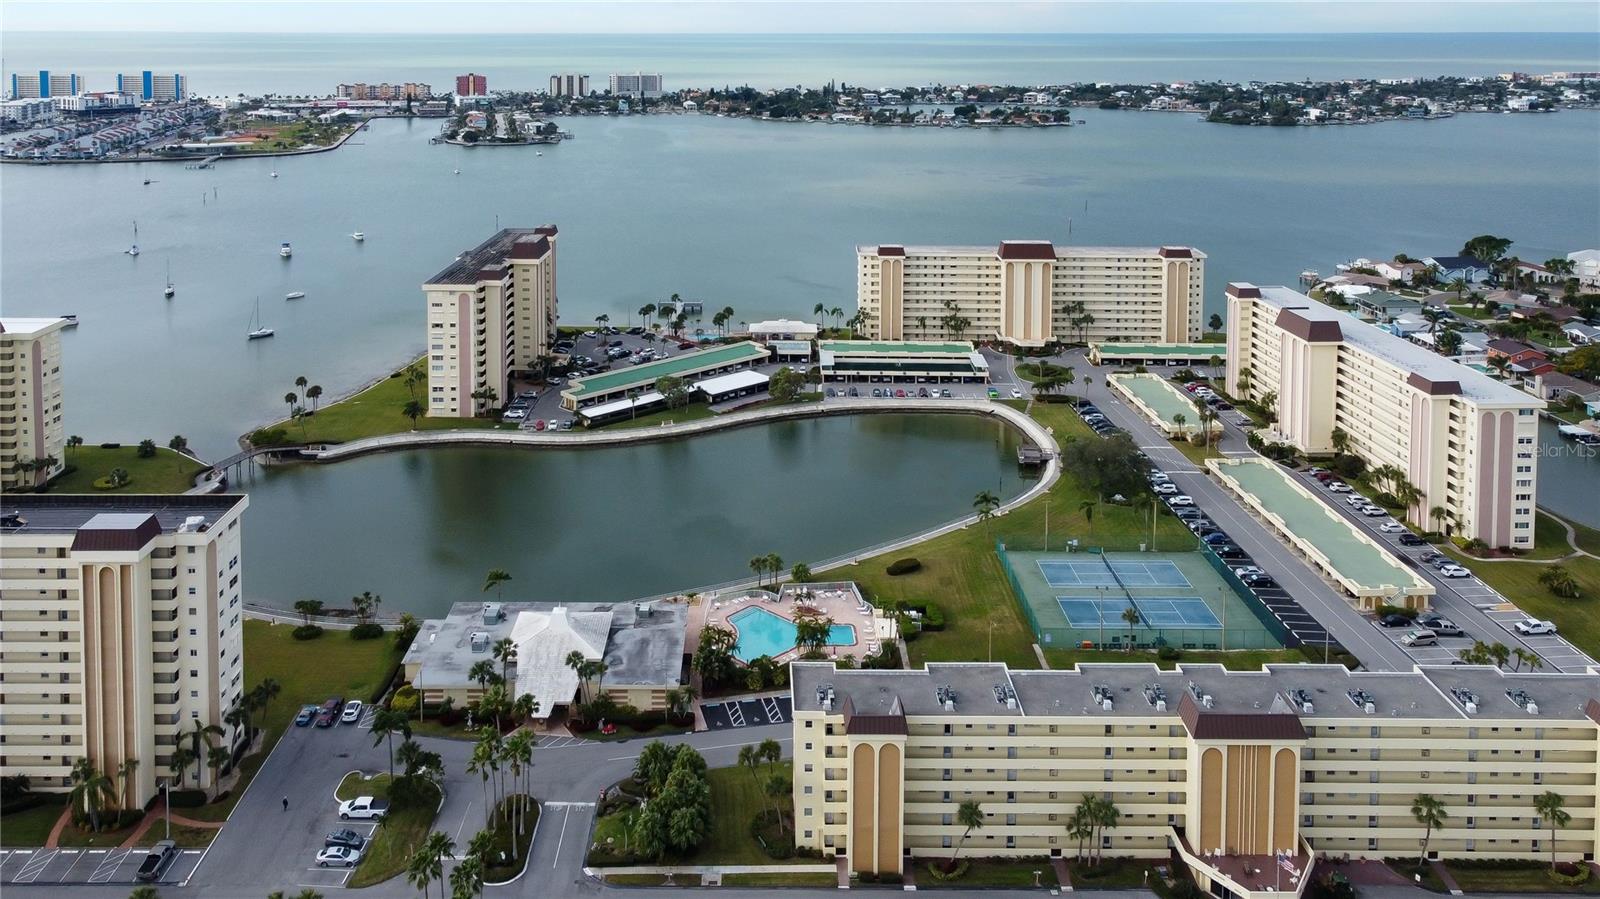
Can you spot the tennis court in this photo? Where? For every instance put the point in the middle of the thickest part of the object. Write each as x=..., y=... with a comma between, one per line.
x=1154, y=612
x=1102, y=572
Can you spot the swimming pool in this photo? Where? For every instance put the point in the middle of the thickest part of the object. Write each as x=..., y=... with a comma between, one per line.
x=764, y=633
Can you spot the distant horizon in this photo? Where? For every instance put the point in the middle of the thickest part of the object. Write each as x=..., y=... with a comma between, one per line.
x=832, y=35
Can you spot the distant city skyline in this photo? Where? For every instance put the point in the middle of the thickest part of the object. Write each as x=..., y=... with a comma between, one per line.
x=789, y=17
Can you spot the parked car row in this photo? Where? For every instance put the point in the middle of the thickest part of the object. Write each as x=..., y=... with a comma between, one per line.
x=540, y=424
x=1215, y=539
x=1205, y=394
x=1095, y=419
x=343, y=847
x=334, y=711
x=1443, y=564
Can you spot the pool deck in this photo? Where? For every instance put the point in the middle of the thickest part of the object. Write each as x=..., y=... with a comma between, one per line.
x=838, y=600
x=1158, y=399
x=1362, y=567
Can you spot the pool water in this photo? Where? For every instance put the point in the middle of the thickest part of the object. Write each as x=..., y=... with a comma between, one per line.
x=764, y=633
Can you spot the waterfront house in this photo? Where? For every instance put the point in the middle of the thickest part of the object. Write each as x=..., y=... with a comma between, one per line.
x=1403, y=272
x=1581, y=334
x=1586, y=267
x=1383, y=306
x=1557, y=387
x=1449, y=268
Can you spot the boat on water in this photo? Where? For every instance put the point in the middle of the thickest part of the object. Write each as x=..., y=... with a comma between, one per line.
x=170, y=290
x=285, y=250
x=294, y=294
x=71, y=321
x=1580, y=434
x=358, y=237
x=134, y=250
x=274, y=173
x=539, y=153
x=458, y=171
x=257, y=329
x=147, y=181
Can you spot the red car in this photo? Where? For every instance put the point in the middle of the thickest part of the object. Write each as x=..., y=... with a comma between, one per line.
x=328, y=715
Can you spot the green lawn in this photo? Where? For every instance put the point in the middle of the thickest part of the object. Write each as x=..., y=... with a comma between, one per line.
x=72, y=836
x=653, y=880
x=1531, y=879
x=165, y=472
x=496, y=871
x=356, y=785
x=735, y=800
x=1111, y=873
x=961, y=573
x=797, y=879
x=374, y=411
x=393, y=843
x=1577, y=619
x=309, y=671
x=1549, y=541
x=30, y=827
x=989, y=872
x=691, y=412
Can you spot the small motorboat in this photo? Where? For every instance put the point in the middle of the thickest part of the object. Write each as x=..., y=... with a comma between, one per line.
x=458, y=171
x=147, y=182
x=274, y=173
x=170, y=290
x=134, y=250
x=358, y=237
x=294, y=294
x=285, y=250
x=538, y=153
x=71, y=321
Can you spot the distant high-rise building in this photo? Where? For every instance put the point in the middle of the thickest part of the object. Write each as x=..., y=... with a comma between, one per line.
x=638, y=84
x=32, y=438
x=471, y=85
x=569, y=85
x=410, y=90
x=43, y=84
x=153, y=87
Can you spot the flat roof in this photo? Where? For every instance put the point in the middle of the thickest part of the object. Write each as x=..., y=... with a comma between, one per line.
x=782, y=325
x=1399, y=352
x=686, y=363
x=49, y=513
x=1162, y=349
x=468, y=267
x=602, y=409
x=30, y=327
x=1355, y=559
x=896, y=347
x=1425, y=692
x=994, y=250
x=737, y=380
x=1159, y=394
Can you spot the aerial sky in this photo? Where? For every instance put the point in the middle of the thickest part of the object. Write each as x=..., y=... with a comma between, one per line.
x=787, y=16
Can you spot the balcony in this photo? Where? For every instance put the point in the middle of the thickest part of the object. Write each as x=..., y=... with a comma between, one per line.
x=168, y=615
x=163, y=657
x=166, y=698
x=165, y=677
x=165, y=636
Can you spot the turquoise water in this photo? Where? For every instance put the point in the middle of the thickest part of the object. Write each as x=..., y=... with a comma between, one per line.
x=764, y=633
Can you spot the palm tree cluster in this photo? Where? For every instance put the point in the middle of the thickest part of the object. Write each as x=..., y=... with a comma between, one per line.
x=427, y=864
x=505, y=765
x=495, y=701
x=811, y=632
x=29, y=466
x=771, y=563
x=1558, y=580
x=1092, y=817
x=1393, y=481
x=761, y=760
x=1499, y=655
x=722, y=319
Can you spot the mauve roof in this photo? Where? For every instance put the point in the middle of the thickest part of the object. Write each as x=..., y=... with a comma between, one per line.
x=1308, y=329
x=1243, y=290
x=1027, y=249
x=116, y=532
x=891, y=249
x=1434, y=388
x=893, y=723
x=1592, y=709
x=1175, y=253
x=531, y=249
x=1207, y=725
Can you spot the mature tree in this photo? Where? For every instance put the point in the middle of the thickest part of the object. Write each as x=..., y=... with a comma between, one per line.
x=413, y=410
x=1486, y=248
x=986, y=503
x=800, y=573
x=504, y=651
x=314, y=394
x=1130, y=616
x=1215, y=322
x=678, y=817
x=1110, y=466
x=494, y=580
x=1449, y=342
x=1550, y=806
x=1558, y=580
x=1430, y=813
x=785, y=385
x=73, y=442
x=674, y=389
x=91, y=790
x=307, y=608
x=713, y=658
x=466, y=880
x=385, y=724
x=811, y=631
x=969, y=815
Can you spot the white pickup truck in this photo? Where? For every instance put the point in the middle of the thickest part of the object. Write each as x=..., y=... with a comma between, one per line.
x=363, y=807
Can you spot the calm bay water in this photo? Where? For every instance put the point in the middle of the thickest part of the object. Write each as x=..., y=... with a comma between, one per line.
x=314, y=63
x=422, y=527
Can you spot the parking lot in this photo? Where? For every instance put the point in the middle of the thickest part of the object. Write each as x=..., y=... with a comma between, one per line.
x=89, y=866
x=747, y=712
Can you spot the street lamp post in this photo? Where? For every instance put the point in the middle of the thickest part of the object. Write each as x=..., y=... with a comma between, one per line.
x=166, y=795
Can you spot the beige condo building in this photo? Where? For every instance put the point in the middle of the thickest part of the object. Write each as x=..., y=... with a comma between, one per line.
x=1226, y=770
x=491, y=314
x=1468, y=442
x=1025, y=292
x=30, y=400
x=120, y=629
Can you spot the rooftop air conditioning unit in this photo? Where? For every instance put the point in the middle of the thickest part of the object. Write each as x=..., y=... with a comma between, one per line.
x=1161, y=705
x=1106, y=704
x=480, y=641
x=1207, y=701
x=1370, y=708
x=1472, y=708
x=491, y=613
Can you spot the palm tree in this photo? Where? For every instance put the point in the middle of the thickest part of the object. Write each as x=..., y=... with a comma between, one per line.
x=268, y=690
x=483, y=672
x=385, y=724
x=289, y=398
x=646, y=312
x=1549, y=805
x=181, y=757
x=1459, y=285
x=1079, y=827
x=73, y=442
x=601, y=320
x=819, y=310
x=1106, y=815
x=969, y=814
x=419, y=870
x=985, y=502
x=579, y=665
x=505, y=652
x=413, y=410
x=202, y=733
x=314, y=393
x=300, y=384
x=1178, y=420
x=1429, y=812
x=1087, y=508
x=125, y=772
x=1131, y=616
x=466, y=881
x=91, y=788
x=1558, y=580
x=1433, y=315
x=494, y=579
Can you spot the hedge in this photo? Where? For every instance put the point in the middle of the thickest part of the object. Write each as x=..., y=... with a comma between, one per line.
x=904, y=566
x=307, y=632
x=186, y=798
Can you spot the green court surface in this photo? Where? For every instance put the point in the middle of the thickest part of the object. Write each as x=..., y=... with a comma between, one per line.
x=1354, y=559
x=1202, y=351
x=892, y=349
x=1161, y=396
x=676, y=366
x=1077, y=598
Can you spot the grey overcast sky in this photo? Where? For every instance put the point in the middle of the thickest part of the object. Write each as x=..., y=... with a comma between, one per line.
x=785, y=16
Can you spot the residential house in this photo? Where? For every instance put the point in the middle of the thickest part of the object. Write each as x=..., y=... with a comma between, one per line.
x=1557, y=387
x=1449, y=268
x=1536, y=273
x=1396, y=270
x=1581, y=334
x=1523, y=361
x=1586, y=267
x=1383, y=306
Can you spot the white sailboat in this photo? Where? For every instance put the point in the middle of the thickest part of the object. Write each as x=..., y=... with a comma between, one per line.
x=134, y=250
x=257, y=329
x=170, y=289
x=285, y=250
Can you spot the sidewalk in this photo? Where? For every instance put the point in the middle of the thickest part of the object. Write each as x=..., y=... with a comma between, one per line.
x=156, y=816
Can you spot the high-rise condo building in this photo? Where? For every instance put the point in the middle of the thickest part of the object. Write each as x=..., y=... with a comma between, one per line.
x=44, y=84
x=472, y=85
x=153, y=87
x=1469, y=444
x=638, y=84
x=1030, y=292
x=409, y=90
x=120, y=618
x=569, y=84
x=491, y=314
x=1249, y=779
x=31, y=433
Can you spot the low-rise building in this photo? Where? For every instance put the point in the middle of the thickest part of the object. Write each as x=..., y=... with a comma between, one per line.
x=120, y=618
x=632, y=381
x=1248, y=778
x=32, y=437
x=640, y=643
x=903, y=361
x=1468, y=268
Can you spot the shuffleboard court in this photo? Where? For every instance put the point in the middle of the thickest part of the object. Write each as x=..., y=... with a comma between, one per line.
x=1120, y=573
x=1154, y=612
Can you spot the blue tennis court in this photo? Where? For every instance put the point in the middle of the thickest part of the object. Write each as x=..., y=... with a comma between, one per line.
x=1155, y=612
x=1127, y=573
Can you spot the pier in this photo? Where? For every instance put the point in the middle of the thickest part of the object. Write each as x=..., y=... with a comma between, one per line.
x=205, y=163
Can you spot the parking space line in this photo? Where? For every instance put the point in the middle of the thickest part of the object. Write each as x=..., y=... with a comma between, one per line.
x=108, y=866
x=33, y=867
x=562, y=837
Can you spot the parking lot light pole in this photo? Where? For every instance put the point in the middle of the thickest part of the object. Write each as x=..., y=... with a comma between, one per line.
x=166, y=796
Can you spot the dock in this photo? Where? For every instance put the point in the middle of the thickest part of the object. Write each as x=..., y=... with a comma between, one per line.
x=205, y=163
x=1031, y=456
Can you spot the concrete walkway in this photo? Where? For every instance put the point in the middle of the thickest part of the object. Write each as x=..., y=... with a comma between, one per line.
x=155, y=816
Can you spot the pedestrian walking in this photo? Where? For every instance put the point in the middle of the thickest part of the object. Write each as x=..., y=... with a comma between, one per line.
x=285, y=803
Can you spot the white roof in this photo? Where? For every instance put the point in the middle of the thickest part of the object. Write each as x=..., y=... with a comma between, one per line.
x=29, y=327
x=737, y=380
x=643, y=399
x=783, y=326
x=544, y=640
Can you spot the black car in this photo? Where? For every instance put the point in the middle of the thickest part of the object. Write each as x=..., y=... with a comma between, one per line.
x=1230, y=553
x=1410, y=539
x=1394, y=619
x=347, y=838
x=1259, y=582
x=616, y=343
x=1224, y=407
x=1215, y=538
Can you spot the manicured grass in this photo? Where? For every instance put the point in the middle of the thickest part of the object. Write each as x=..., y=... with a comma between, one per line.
x=1465, y=311
x=1234, y=660
x=30, y=827
x=356, y=785
x=165, y=472
x=691, y=412
x=184, y=835
x=735, y=800
x=72, y=836
x=653, y=880
x=374, y=411
x=1111, y=873
x=1577, y=619
x=504, y=836
x=393, y=843
x=797, y=879
x=308, y=671
x=1532, y=879
x=989, y=872
x=1549, y=541
x=1588, y=538
x=961, y=573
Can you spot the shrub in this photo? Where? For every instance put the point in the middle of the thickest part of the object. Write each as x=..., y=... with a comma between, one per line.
x=307, y=632
x=186, y=798
x=776, y=840
x=937, y=870
x=269, y=437
x=1569, y=874
x=405, y=700
x=904, y=566
x=932, y=618
x=1387, y=609
x=1169, y=654
x=107, y=483
x=1349, y=466
x=367, y=630
x=111, y=446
